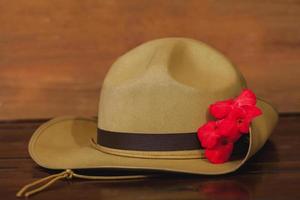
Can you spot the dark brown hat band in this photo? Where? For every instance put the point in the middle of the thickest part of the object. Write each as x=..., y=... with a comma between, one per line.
x=148, y=141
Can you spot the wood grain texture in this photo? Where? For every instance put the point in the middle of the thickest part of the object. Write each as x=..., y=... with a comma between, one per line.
x=54, y=54
x=273, y=173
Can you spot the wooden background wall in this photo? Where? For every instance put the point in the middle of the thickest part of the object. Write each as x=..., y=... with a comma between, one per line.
x=54, y=54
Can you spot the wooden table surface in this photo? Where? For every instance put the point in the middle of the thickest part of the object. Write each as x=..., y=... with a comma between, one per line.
x=273, y=173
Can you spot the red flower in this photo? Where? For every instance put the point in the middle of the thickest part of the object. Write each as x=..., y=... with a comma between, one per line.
x=208, y=134
x=243, y=117
x=221, y=109
x=217, y=138
x=234, y=118
x=220, y=153
x=211, y=133
x=229, y=129
x=246, y=98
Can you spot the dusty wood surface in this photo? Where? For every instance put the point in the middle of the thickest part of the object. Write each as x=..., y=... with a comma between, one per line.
x=54, y=54
x=273, y=173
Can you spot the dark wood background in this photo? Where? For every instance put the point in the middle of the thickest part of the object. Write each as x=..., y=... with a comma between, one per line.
x=54, y=54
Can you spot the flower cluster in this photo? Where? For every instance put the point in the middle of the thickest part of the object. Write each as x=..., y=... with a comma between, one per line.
x=233, y=119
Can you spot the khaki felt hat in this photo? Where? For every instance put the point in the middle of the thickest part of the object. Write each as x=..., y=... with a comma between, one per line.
x=153, y=100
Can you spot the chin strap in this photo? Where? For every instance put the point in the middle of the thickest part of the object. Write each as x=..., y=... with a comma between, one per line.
x=44, y=183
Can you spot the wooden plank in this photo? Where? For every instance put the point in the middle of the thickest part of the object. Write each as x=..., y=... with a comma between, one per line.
x=273, y=173
x=54, y=54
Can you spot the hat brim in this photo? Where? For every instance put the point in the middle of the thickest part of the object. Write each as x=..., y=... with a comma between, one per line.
x=64, y=143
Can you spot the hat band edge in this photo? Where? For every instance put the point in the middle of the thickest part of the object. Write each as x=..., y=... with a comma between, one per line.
x=149, y=145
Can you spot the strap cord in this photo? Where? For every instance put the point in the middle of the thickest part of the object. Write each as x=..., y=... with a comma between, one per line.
x=43, y=183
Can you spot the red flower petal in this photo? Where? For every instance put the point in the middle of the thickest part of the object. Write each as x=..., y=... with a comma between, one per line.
x=243, y=117
x=221, y=109
x=247, y=97
x=220, y=154
x=244, y=126
x=229, y=129
x=208, y=135
x=252, y=111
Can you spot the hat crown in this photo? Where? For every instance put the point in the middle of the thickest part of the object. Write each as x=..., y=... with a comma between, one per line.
x=165, y=86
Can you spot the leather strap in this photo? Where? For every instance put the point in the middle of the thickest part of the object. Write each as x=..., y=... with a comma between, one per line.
x=148, y=141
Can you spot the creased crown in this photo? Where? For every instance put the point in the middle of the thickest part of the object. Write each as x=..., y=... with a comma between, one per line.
x=165, y=86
